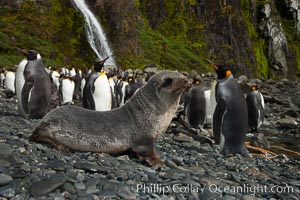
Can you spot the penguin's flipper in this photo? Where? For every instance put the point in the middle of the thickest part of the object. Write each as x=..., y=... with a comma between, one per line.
x=218, y=117
x=126, y=93
x=28, y=85
x=60, y=93
x=113, y=99
x=89, y=102
x=186, y=101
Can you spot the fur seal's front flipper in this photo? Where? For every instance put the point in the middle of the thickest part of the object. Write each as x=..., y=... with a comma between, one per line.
x=147, y=152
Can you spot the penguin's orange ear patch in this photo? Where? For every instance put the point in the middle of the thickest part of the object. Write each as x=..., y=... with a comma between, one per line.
x=228, y=73
x=197, y=82
x=253, y=88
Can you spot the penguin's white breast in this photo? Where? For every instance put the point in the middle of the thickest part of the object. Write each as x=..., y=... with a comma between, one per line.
x=68, y=87
x=102, y=94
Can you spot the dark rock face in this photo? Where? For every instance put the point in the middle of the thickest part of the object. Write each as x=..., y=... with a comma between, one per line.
x=256, y=38
x=277, y=42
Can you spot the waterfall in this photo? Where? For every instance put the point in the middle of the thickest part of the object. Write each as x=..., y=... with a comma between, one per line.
x=95, y=34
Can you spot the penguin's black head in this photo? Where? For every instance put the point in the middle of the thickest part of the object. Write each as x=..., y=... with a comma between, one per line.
x=30, y=54
x=130, y=79
x=99, y=64
x=222, y=71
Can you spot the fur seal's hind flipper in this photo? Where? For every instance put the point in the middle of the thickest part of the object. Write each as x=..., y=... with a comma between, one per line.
x=46, y=139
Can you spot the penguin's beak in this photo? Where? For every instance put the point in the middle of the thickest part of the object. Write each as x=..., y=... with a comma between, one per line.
x=214, y=66
x=24, y=51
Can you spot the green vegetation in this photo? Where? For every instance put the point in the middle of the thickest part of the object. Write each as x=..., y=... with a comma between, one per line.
x=55, y=30
x=169, y=53
x=177, y=41
x=261, y=67
x=171, y=35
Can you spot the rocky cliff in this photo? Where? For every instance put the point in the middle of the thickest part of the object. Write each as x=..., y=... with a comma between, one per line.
x=258, y=38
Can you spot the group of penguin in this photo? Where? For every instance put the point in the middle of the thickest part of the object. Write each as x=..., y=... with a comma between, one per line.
x=231, y=112
x=224, y=105
x=36, y=86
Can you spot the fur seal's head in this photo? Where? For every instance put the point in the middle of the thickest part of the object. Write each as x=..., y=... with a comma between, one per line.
x=168, y=85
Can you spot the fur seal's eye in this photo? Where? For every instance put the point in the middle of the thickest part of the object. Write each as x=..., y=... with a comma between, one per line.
x=167, y=82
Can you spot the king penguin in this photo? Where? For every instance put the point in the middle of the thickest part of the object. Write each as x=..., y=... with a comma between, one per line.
x=130, y=89
x=97, y=94
x=256, y=105
x=230, y=119
x=20, y=81
x=36, y=92
x=66, y=90
x=210, y=102
x=9, y=82
x=195, y=105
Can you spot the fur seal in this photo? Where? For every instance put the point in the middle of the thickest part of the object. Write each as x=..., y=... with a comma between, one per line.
x=134, y=126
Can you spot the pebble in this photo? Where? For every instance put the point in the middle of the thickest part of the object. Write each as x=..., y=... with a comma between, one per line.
x=8, y=190
x=46, y=186
x=30, y=170
x=4, y=179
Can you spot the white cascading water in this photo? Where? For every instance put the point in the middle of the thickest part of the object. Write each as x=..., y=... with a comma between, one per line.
x=95, y=34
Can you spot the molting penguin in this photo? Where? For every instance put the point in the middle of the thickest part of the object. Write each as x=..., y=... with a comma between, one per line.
x=97, y=93
x=134, y=126
x=36, y=92
x=256, y=105
x=195, y=105
x=230, y=119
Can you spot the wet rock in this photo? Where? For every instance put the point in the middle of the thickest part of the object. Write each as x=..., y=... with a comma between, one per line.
x=8, y=190
x=5, y=179
x=90, y=167
x=45, y=186
x=248, y=197
x=209, y=194
x=69, y=187
x=183, y=138
x=79, y=186
x=288, y=122
x=6, y=152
